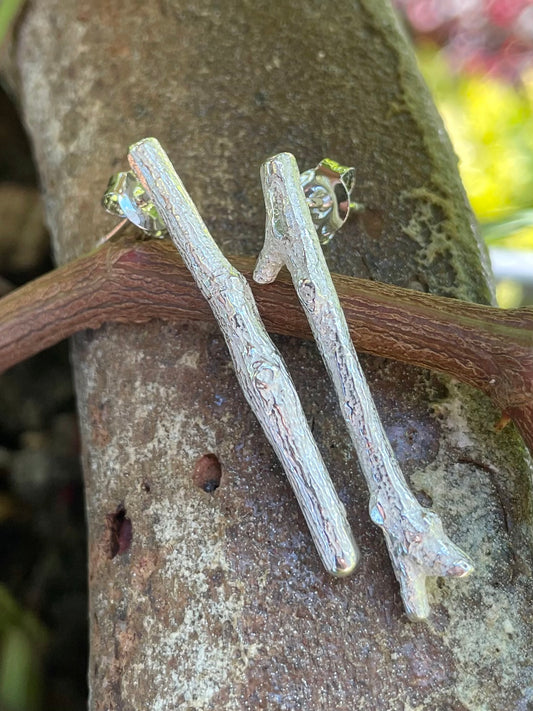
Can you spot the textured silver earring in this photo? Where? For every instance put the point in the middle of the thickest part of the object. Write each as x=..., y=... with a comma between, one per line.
x=302, y=211
x=261, y=372
x=417, y=544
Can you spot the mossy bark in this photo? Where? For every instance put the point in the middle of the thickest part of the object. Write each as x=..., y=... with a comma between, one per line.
x=217, y=600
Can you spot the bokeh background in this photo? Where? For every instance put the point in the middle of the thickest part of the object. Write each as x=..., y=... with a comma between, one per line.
x=476, y=56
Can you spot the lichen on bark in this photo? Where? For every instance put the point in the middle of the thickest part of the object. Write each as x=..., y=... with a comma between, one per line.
x=219, y=601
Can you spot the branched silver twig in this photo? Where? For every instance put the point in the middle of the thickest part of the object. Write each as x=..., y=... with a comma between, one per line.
x=259, y=367
x=417, y=544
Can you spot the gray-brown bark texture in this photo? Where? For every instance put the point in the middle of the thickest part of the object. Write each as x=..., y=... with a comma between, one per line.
x=220, y=601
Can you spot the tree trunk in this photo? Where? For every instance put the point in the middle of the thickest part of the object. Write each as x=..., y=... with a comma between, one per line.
x=218, y=600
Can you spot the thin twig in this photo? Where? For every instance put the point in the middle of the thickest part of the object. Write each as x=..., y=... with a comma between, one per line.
x=130, y=281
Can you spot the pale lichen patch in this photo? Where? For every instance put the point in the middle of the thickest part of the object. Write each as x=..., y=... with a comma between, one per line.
x=189, y=359
x=207, y=662
x=487, y=645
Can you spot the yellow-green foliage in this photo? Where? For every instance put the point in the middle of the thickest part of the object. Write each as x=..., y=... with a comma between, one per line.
x=8, y=12
x=490, y=122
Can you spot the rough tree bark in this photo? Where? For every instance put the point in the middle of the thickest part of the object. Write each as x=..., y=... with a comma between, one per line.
x=219, y=601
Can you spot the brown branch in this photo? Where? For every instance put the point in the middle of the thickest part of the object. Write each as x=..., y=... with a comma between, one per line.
x=132, y=282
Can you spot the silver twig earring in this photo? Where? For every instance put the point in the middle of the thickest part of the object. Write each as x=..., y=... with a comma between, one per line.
x=417, y=544
x=259, y=367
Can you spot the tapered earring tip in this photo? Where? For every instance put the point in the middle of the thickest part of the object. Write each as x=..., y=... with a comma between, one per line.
x=345, y=566
x=461, y=568
x=144, y=142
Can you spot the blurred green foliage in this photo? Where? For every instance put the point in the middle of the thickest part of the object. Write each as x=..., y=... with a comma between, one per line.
x=22, y=642
x=8, y=12
x=490, y=123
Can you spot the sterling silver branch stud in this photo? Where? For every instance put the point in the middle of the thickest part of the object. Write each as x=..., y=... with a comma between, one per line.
x=259, y=368
x=417, y=544
x=302, y=211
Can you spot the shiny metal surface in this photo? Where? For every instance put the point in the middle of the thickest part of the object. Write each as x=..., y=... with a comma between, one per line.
x=259, y=367
x=125, y=197
x=327, y=191
x=417, y=544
